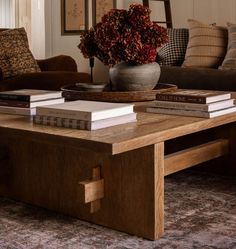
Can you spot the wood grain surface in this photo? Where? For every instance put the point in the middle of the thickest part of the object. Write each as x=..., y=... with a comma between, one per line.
x=149, y=129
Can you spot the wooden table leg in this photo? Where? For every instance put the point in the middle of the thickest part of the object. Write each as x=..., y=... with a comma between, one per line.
x=135, y=188
x=159, y=190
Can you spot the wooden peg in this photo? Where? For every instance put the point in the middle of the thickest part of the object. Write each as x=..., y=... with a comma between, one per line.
x=92, y=191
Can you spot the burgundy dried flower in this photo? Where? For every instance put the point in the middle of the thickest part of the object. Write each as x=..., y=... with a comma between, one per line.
x=139, y=16
x=124, y=36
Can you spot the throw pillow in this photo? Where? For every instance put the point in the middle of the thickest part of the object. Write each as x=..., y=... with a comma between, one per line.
x=230, y=58
x=207, y=45
x=16, y=57
x=173, y=52
x=4, y=64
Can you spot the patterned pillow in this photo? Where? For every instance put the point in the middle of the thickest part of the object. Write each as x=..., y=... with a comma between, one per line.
x=230, y=58
x=173, y=52
x=207, y=45
x=4, y=64
x=16, y=57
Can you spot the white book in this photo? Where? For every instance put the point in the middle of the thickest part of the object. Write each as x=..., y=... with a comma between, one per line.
x=83, y=124
x=18, y=110
x=192, y=113
x=46, y=102
x=192, y=106
x=85, y=110
x=30, y=94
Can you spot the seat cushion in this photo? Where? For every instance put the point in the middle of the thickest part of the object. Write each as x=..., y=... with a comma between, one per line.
x=230, y=58
x=173, y=52
x=16, y=57
x=207, y=45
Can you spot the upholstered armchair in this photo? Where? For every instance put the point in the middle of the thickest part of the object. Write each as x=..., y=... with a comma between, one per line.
x=51, y=74
x=55, y=72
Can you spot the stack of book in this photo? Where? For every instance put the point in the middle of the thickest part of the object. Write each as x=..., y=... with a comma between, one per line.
x=85, y=115
x=196, y=103
x=25, y=101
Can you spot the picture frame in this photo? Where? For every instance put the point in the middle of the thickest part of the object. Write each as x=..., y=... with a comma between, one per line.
x=100, y=7
x=74, y=16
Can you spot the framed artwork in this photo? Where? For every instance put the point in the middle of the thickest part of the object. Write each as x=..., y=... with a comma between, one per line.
x=74, y=16
x=101, y=7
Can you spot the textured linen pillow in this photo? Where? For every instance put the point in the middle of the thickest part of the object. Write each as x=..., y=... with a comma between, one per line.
x=16, y=57
x=230, y=58
x=207, y=45
x=173, y=52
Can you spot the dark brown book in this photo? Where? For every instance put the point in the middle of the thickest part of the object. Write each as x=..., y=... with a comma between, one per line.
x=29, y=95
x=27, y=104
x=194, y=96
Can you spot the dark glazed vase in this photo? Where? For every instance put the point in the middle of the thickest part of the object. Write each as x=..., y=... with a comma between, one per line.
x=134, y=77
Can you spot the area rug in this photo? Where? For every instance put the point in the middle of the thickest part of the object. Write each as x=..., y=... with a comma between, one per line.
x=200, y=212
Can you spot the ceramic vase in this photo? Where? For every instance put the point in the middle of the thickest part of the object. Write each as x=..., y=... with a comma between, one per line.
x=134, y=77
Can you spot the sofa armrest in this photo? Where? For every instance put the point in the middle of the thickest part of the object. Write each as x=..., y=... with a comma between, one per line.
x=1, y=76
x=52, y=80
x=58, y=63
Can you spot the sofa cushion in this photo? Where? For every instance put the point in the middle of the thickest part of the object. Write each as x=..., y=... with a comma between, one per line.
x=17, y=58
x=230, y=58
x=173, y=52
x=207, y=45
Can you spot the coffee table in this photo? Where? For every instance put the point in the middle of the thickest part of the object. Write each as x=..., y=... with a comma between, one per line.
x=114, y=176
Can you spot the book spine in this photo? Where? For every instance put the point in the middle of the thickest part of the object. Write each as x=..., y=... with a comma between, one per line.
x=199, y=114
x=180, y=105
x=62, y=122
x=180, y=98
x=17, y=110
x=43, y=111
x=14, y=97
x=13, y=103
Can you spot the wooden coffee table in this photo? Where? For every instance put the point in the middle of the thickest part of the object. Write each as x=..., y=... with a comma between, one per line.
x=114, y=176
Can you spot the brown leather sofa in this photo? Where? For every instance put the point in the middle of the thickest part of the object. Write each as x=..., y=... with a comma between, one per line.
x=199, y=78
x=56, y=72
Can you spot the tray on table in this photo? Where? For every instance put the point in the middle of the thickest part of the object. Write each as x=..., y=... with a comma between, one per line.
x=73, y=92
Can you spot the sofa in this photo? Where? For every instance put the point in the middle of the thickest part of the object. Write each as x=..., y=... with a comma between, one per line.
x=19, y=69
x=200, y=57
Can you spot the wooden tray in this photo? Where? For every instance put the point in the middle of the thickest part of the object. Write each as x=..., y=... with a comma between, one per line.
x=72, y=92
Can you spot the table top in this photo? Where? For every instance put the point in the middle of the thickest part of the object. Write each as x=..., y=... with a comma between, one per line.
x=149, y=129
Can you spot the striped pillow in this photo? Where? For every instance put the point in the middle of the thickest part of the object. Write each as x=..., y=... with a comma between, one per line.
x=230, y=58
x=207, y=45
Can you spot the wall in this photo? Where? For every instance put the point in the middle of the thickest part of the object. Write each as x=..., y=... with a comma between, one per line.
x=53, y=43
x=57, y=44
x=7, y=17
x=38, y=28
x=24, y=17
x=207, y=11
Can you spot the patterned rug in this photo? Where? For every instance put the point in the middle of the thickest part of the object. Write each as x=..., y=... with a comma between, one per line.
x=200, y=212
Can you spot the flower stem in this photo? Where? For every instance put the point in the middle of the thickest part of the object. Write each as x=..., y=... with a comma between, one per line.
x=91, y=64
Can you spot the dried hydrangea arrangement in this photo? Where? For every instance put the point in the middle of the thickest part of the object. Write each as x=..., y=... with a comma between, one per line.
x=124, y=35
